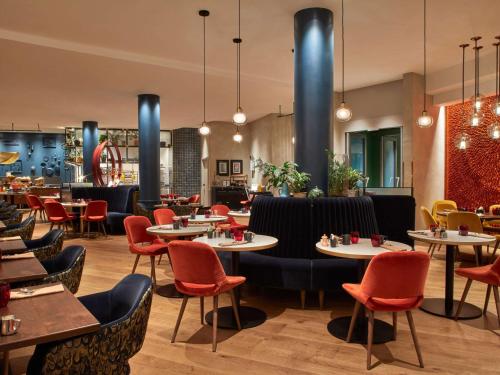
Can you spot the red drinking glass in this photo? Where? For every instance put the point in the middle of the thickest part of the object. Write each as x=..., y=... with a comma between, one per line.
x=4, y=294
x=238, y=235
x=375, y=238
x=185, y=222
x=207, y=213
x=354, y=237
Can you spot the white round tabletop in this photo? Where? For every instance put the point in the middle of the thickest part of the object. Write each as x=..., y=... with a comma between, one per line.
x=74, y=204
x=259, y=242
x=362, y=250
x=239, y=214
x=453, y=238
x=201, y=219
x=166, y=231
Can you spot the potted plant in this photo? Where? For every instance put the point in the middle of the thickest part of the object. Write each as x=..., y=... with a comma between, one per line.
x=298, y=183
x=283, y=178
x=315, y=193
x=342, y=178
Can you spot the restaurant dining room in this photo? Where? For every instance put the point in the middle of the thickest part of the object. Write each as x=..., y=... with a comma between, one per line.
x=212, y=187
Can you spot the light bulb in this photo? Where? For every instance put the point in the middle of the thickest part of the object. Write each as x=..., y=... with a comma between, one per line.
x=495, y=108
x=477, y=101
x=343, y=113
x=239, y=118
x=237, y=137
x=425, y=121
x=475, y=119
x=462, y=142
x=204, y=129
x=494, y=131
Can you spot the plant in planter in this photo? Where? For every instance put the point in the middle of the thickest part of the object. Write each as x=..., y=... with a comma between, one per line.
x=342, y=179
x=298, y=182
x=315, y=193
x=283, y=178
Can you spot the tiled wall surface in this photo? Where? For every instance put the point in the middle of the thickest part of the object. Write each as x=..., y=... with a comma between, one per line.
x=186, y=161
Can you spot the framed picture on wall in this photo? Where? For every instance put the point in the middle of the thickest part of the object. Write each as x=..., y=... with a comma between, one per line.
x=49, y=142
x=222, y=167
x=17, y=167
x=236, y=166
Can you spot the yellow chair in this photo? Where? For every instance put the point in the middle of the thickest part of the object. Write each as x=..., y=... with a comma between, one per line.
x=494, y=207
x=493, y=227
x=442, y=205
x=455, y=219
x=428, y=221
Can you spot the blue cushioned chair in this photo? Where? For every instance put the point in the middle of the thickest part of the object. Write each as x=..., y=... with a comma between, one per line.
x=123, y=313
x=47, y=246
x=24, y=229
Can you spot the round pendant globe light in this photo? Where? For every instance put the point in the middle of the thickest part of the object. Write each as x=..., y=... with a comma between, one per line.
x=477, y=98
x=204, y=128
x=425, y=120
x=494, y=131
x=463, y=140
x=237, y=137
x=239, y=117
x=343, y=113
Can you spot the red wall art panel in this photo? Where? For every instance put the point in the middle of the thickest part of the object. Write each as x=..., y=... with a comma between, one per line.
x=472, y=175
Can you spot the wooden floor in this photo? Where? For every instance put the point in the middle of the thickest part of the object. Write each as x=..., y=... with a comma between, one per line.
x=292, y=340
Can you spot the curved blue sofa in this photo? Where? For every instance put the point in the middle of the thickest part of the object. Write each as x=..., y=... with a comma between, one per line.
x=299, y=223
x=120, y=202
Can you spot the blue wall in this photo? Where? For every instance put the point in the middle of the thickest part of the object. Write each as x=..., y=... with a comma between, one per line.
x=44, y=145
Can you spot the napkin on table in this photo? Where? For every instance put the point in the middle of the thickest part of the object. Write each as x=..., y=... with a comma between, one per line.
x=27, y=255
x=17, y=294
x=14, y=238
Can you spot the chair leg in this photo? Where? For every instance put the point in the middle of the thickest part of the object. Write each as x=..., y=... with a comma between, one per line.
x=353, y=320
x=88, y=229
x=497, y=301
x=464, y=295
x=395, y=324
x=51, y=226
x=497, y=244
x=477, y=250
x=303, y=299
x=321, y=296
x=370, y=339
x=430, y=249
x=31, y=212
x=214, y=323
x=409, y=316
x=202, y=310
x=235, y=309
x=153, y=272
x=135, y=263
x=179, y=318
x=487, y=299
x=104, y=229
x=159, y=259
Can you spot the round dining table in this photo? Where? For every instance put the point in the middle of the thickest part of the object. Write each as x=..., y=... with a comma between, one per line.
x=363, y=252
x=212, y=219
x=447, y=306
x=168, y=232
x=240, y=217
x=249, y=316
x=81, y=205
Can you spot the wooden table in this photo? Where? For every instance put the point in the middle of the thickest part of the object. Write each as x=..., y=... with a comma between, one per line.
x=12, y=246
x=447, y=306
x=81, y=206
x=46, y=318
x=240, y=217
x=15, y=270
x=363, y=251
x=2, y=226
x=249, y=316
x=201, y=219
x=10, y=196
x=167, y=232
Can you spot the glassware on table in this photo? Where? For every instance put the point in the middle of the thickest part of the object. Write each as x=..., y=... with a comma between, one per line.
x=207, y=213
x=185, y=221
x=249, y=236
x=463, y=230
x=377, y=240
x=238, y=235
x=354, y=237
x=346, y=239
x=4, y=293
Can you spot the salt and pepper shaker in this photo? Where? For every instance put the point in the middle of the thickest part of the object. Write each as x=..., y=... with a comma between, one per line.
x=324, y=240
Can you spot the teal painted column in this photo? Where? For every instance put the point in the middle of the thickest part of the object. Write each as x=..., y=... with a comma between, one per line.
x=90, y=135
x=149, y=149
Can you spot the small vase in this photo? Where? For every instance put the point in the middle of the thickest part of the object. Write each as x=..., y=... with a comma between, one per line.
x=284, y=190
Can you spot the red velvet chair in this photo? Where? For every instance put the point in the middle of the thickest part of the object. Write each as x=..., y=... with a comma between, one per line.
x=223, y=210
x=56, y=214
x=164, y=216
x=96, y=212
x=489, y=275
x=199, y=273
x=394, y=282
x=140, y=242
x=35, y=205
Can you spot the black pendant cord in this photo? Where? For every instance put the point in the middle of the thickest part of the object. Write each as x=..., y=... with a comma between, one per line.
x=238, y=60
x=463, y=46
x=425, y=52
x=204, y=71
x=497, y=44
x=496, y=73
x=343, y=59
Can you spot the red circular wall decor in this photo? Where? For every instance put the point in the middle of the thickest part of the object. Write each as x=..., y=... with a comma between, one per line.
x=113, y=153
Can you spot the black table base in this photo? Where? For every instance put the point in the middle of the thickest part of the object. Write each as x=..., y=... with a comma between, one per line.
x=249, y=317
x=437, y=306
x=382, y=331
x=168, y=291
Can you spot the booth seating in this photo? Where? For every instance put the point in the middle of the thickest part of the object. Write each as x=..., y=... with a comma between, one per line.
x=47, y=246
x=120, y=203
x=299, y=223
x=24, y=229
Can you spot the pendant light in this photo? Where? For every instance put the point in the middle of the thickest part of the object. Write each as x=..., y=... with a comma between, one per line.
x=237, y=137
x=477, y=98
x=343, y=112
x=204, y=129
x=494, y=129
x=463, y=140
x=239, y=117
x=425, y=120
x=496, y=106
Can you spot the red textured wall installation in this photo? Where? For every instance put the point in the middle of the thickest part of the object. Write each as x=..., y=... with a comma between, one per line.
x=472, y=175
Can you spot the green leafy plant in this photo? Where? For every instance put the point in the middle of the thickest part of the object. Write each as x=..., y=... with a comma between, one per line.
x=284, y=174
x=341, y=176
x=315, y=192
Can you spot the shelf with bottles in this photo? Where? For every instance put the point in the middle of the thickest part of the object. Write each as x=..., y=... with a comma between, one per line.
x=73, y=137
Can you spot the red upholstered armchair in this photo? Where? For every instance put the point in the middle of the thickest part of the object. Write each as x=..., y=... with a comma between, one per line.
x=223, y=210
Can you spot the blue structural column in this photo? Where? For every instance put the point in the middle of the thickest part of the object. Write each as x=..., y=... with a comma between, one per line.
x=313, y=58
x=149, y=149
x=90, y=135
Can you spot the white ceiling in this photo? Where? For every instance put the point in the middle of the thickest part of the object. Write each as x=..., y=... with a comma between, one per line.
x=64, y=61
